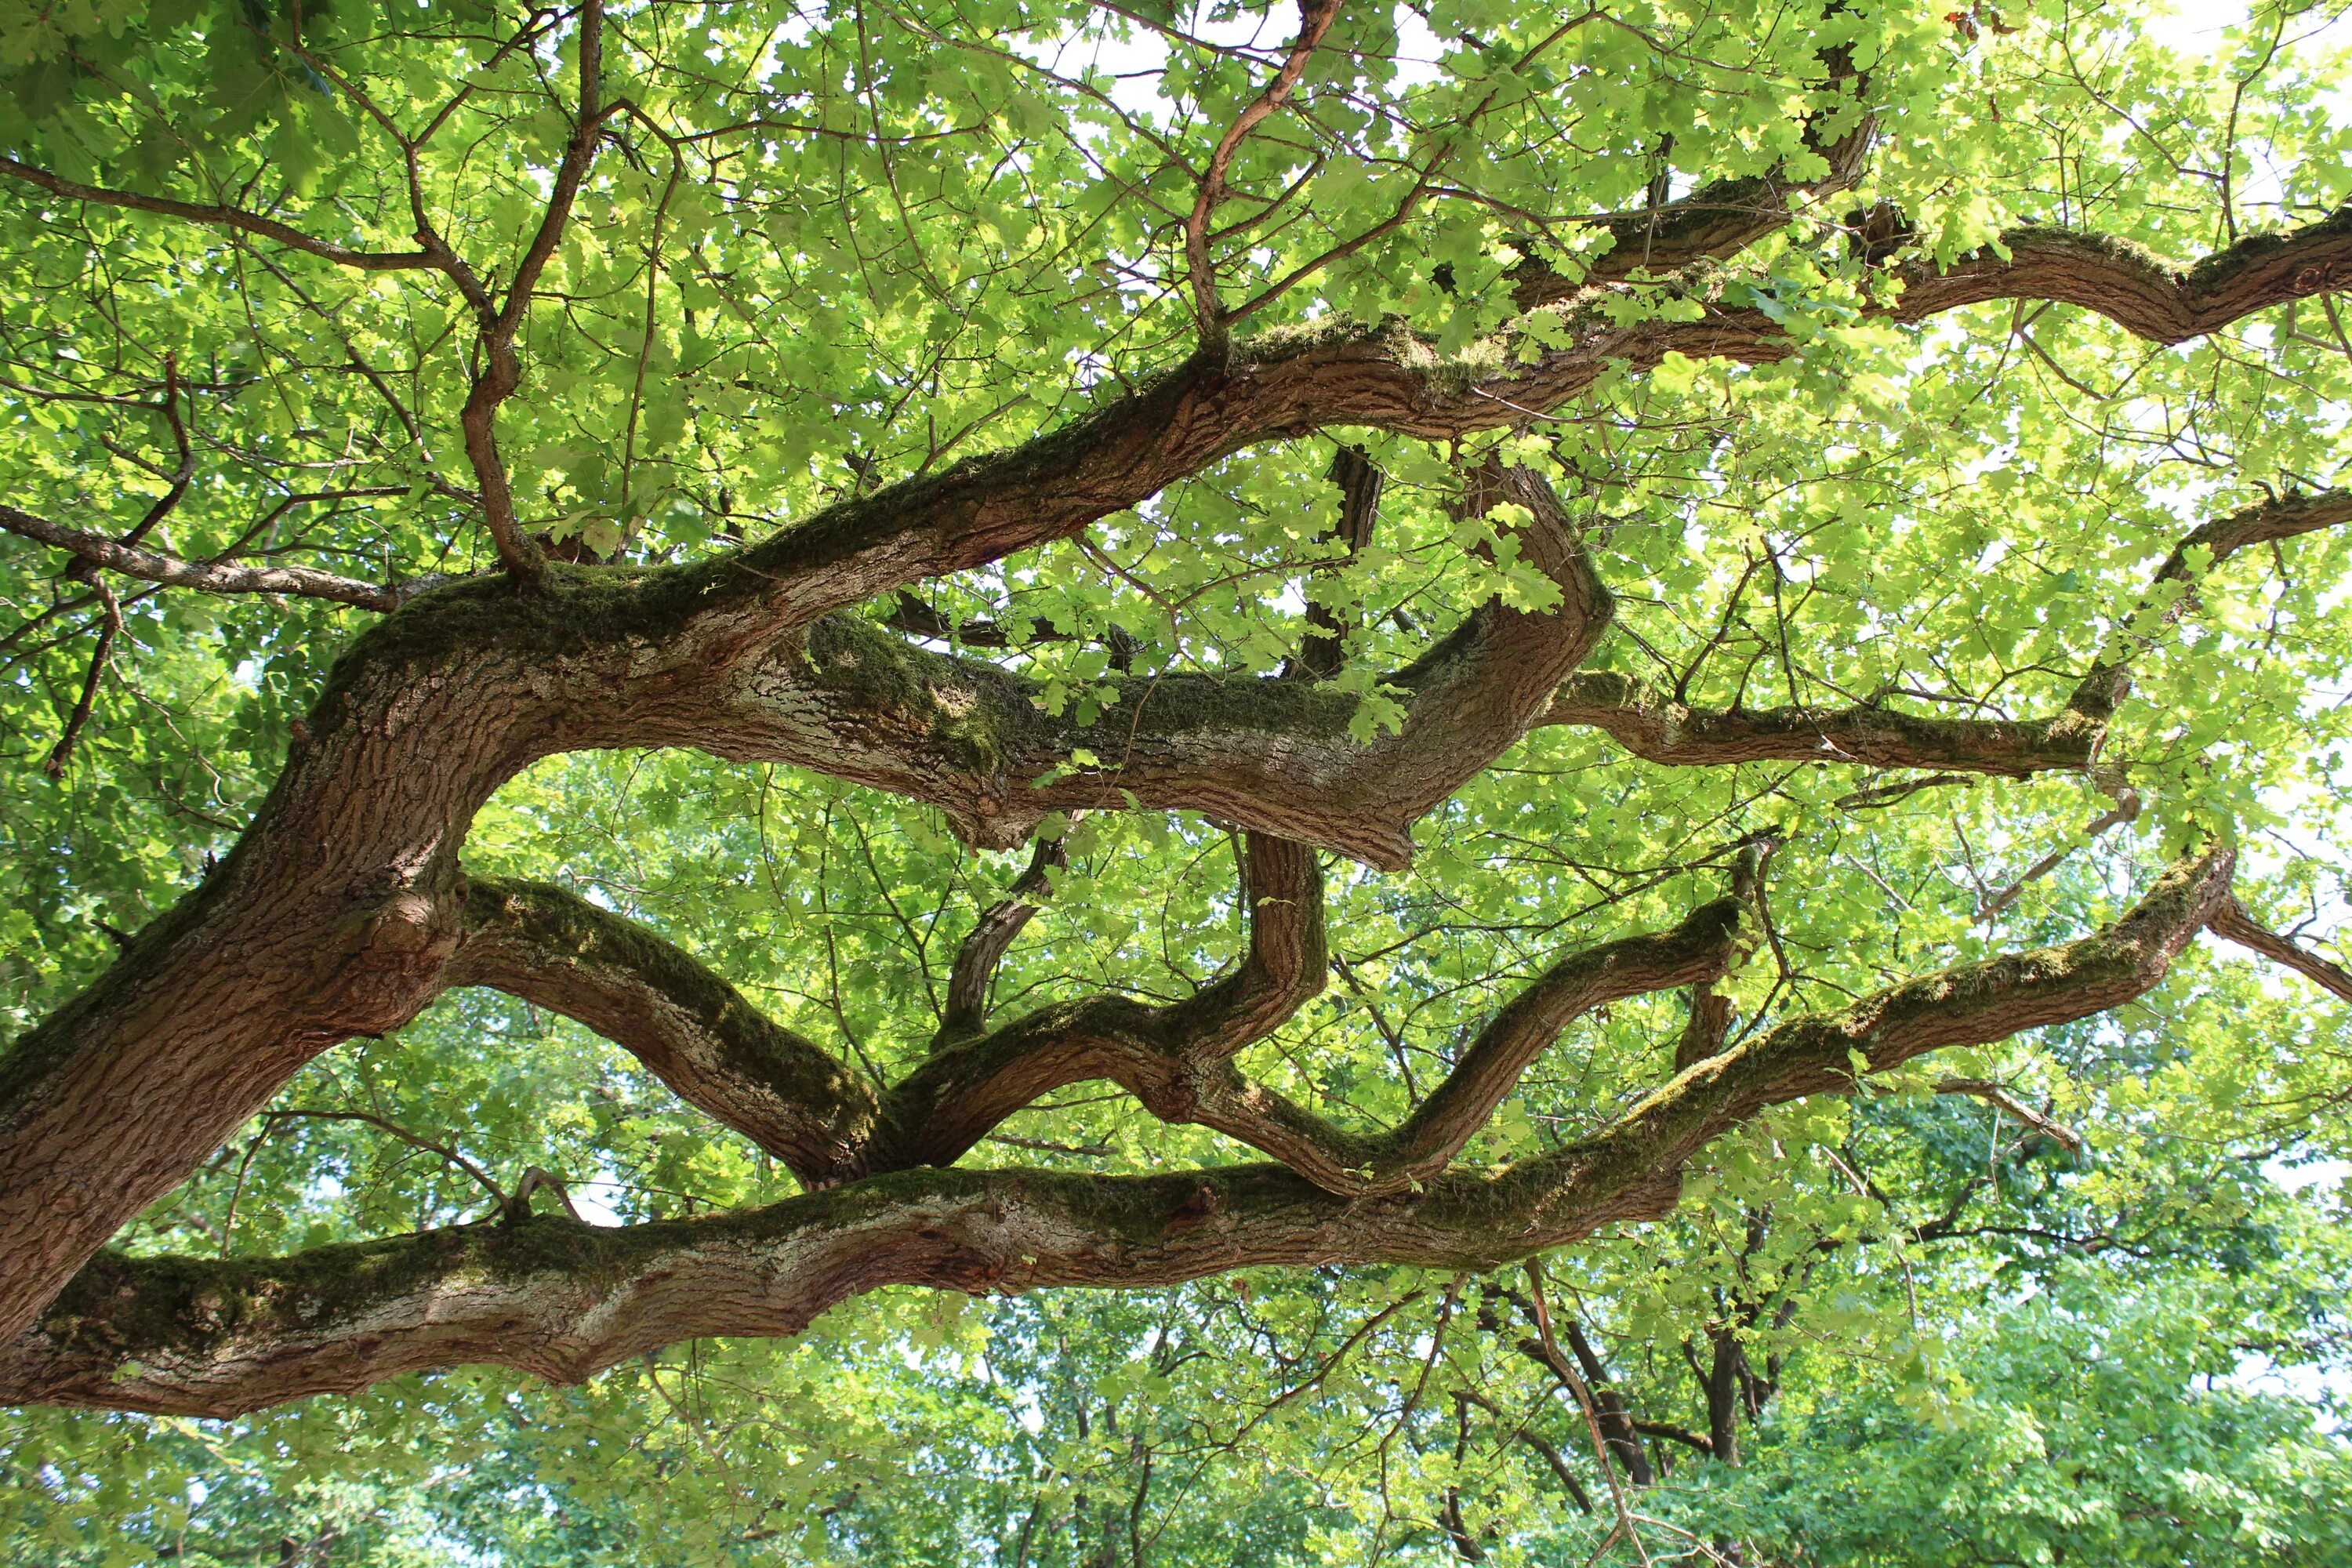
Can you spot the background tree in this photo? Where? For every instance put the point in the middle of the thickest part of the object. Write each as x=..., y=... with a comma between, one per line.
x=676, y=663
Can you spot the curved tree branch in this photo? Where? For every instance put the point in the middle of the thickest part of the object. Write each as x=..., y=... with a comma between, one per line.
x=2233, y=923
x=338, y=910
x=1647, y=722
x=691, y=1028
x=564, y=1299
x=221, y=216
x=977, y=959
x=1159, y=1054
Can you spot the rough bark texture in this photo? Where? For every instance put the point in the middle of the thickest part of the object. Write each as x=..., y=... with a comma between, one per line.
x=563, y=1299
x=344, y=909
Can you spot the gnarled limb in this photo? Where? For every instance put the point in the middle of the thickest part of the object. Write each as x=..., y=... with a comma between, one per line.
x=1359, y=1164
x=564, y=1299
x=1158, y=1054
x=337, y=911
x=692, y=1029
x=2147, y=296
x=1973, y=1003
x=1271, y=754
x=976, y=960
x=1647, y=720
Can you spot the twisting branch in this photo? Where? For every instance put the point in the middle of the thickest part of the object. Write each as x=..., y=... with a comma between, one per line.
x=206, y=577
x=184, y=471
x=1277, y=756
x=1973, y=1003
x=1315, y=18
x=2233, y=923
x=1170, y=1058
x=691, y=1028
x=1363, y=1165
x=2108, y=682
x=1648, y=721
x=501, y=371
x=976, y=960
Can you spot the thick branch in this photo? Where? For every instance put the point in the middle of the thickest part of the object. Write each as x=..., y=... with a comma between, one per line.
x=564, y=1299
x=1648, y=721
x=1974, y=1003
x=1701, y=949
x=2141, y=292
x=691, y=1028
x=1274, y=755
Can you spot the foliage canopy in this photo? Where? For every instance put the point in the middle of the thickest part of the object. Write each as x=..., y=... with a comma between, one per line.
x=1604, y=747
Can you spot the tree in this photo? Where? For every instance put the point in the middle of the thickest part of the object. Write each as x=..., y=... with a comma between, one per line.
x=1569, y=497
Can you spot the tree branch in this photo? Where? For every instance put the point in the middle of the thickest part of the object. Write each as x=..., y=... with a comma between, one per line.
x=1647, y=720
x=1324, y=653
x=1362, y=1165
x=501, y=371
x=221, y=216
x=1718, y=219
x=1274, y=755
x=1973, y=1003
x=1315, y=18
x=692, y=1029
x=563, y=1299
x=204, y=576
x=2000, y=1098
x=1164, y=1056
x=2231, y=923
x=976, y=960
